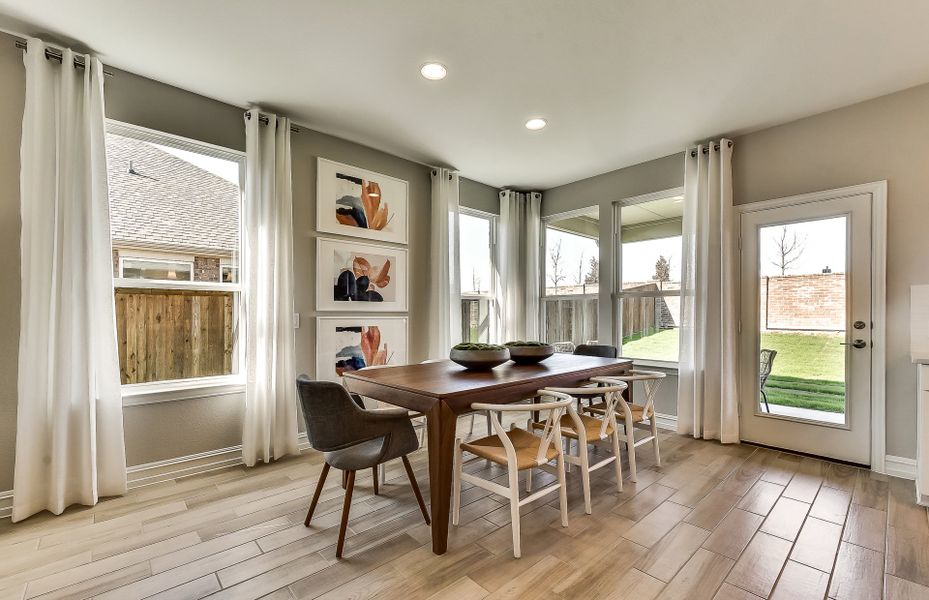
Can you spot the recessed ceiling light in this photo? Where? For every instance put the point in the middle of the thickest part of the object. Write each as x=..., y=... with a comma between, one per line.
x=677, y=198
x=535, y=124
x=433, y=71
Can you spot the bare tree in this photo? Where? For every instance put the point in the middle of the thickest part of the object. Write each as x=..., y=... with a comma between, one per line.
x=662, y=271
x=788, y=248
x=579, y=280
x=593, y=271
x=555, y=276
x=475, y=281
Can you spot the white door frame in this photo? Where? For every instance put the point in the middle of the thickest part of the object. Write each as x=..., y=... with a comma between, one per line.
x=878, y=192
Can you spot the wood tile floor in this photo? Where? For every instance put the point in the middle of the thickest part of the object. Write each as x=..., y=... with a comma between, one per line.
x=714, y=522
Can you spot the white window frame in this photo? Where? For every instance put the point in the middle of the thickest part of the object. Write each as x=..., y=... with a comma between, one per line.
x=618, y=294
x=198, y=387
x=491, y=295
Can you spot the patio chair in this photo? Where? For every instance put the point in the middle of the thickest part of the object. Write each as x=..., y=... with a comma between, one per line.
x=767, y=363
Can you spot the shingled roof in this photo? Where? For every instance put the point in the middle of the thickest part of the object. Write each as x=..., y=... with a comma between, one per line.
x=168, y=203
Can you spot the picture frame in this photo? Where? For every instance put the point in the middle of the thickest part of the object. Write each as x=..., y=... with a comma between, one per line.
x=350, y=343
x=360, y=203
x=358, y=277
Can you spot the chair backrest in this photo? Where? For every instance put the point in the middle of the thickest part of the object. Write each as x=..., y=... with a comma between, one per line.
x=601, y=350
x=333, y=418
x=551, y=431
x=767, y=363
x=612, y=395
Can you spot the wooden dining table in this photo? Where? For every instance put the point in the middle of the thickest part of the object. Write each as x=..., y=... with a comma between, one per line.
x=444, y=390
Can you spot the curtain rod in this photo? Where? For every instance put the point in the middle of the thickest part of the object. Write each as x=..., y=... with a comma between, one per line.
x=706, y=149
x=52, y=54
x=264, y=120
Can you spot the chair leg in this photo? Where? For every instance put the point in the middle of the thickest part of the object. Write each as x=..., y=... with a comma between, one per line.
x=514, y=509
x=344, y=479
x=630, y=450
x=528, y=481
x=765, y=396
x=583, y=454
x=346, y=507
x=456, y=483
x=319, y=489
x=415, y=486
x=382, y=473
x=471, y=428
x=655, y=441
x=563, y=490
x=490, y=428
x=619, y=461
x=375, y=477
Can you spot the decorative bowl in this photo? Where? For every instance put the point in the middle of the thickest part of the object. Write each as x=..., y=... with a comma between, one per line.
x=479, y=357
x=529, y=353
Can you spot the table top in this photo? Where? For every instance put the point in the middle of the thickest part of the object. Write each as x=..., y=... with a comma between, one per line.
x=445, y=379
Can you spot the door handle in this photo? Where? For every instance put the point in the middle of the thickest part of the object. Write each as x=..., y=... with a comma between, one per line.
x=855, y=344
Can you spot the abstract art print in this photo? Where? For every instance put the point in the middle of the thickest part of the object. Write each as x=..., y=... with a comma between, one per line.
x=346, y=344
x=360, y=277
x=360, y=203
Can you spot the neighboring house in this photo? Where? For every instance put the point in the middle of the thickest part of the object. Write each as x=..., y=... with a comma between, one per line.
x=170, y=219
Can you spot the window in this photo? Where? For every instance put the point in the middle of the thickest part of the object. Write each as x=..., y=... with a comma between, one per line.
x=476, y=232
x=175, y=207
x=650, y=249
x=571, y=278
x=159, y=270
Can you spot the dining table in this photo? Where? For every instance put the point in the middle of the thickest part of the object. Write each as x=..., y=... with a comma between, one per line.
x=443, y=390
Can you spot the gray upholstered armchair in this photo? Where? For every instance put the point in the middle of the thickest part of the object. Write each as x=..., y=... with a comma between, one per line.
x=352, y=439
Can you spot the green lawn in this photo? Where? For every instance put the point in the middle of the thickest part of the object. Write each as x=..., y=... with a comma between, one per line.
x=809, y=369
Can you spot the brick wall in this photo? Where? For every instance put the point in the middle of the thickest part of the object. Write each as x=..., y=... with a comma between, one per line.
x=206, y=269
x=803, y=302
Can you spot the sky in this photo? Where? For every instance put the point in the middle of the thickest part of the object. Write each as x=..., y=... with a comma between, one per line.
x=227, y=169
x=821, y=244
x=474, y=254
x=576, y=251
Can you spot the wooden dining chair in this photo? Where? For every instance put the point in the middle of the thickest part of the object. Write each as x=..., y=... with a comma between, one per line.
x=353, y=439
x=586, y=430
x=517, y=450
x=635, y=414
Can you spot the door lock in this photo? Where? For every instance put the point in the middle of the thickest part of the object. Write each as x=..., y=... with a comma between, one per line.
x=859, y=324
x=856, y=344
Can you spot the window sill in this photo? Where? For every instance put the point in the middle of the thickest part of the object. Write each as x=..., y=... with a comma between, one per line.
x=140, y=394
x=663, y=365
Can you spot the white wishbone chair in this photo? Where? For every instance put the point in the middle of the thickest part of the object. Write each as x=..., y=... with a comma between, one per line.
x=588, y=430
x=517, y=450
x=636, y=414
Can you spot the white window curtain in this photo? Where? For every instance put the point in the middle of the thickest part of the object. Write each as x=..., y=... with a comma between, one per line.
x=519, y=278
x=444, y=281
x=270, y=428
x=69, y=431
x=707, y=404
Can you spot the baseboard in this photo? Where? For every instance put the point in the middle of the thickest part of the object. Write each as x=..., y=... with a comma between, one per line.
x=899, y=466
x=668, y=422
x=193, y=464
x=6, y=504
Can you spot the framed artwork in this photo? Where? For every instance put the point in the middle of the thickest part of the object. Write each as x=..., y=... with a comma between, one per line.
x=354, y=276
x=351, y=343
x=360, y=203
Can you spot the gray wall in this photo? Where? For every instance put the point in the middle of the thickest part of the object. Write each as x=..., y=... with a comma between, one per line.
x=172, y=429
x=882, y=139
x=479, y=196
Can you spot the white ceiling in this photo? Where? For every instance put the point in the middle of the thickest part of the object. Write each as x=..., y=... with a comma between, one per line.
x=619, y=81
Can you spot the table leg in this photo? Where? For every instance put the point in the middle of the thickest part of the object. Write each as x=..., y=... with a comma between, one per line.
x=440, y=430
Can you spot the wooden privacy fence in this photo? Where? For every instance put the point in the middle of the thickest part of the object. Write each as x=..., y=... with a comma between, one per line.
x=570, y=319
x=173, y=334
